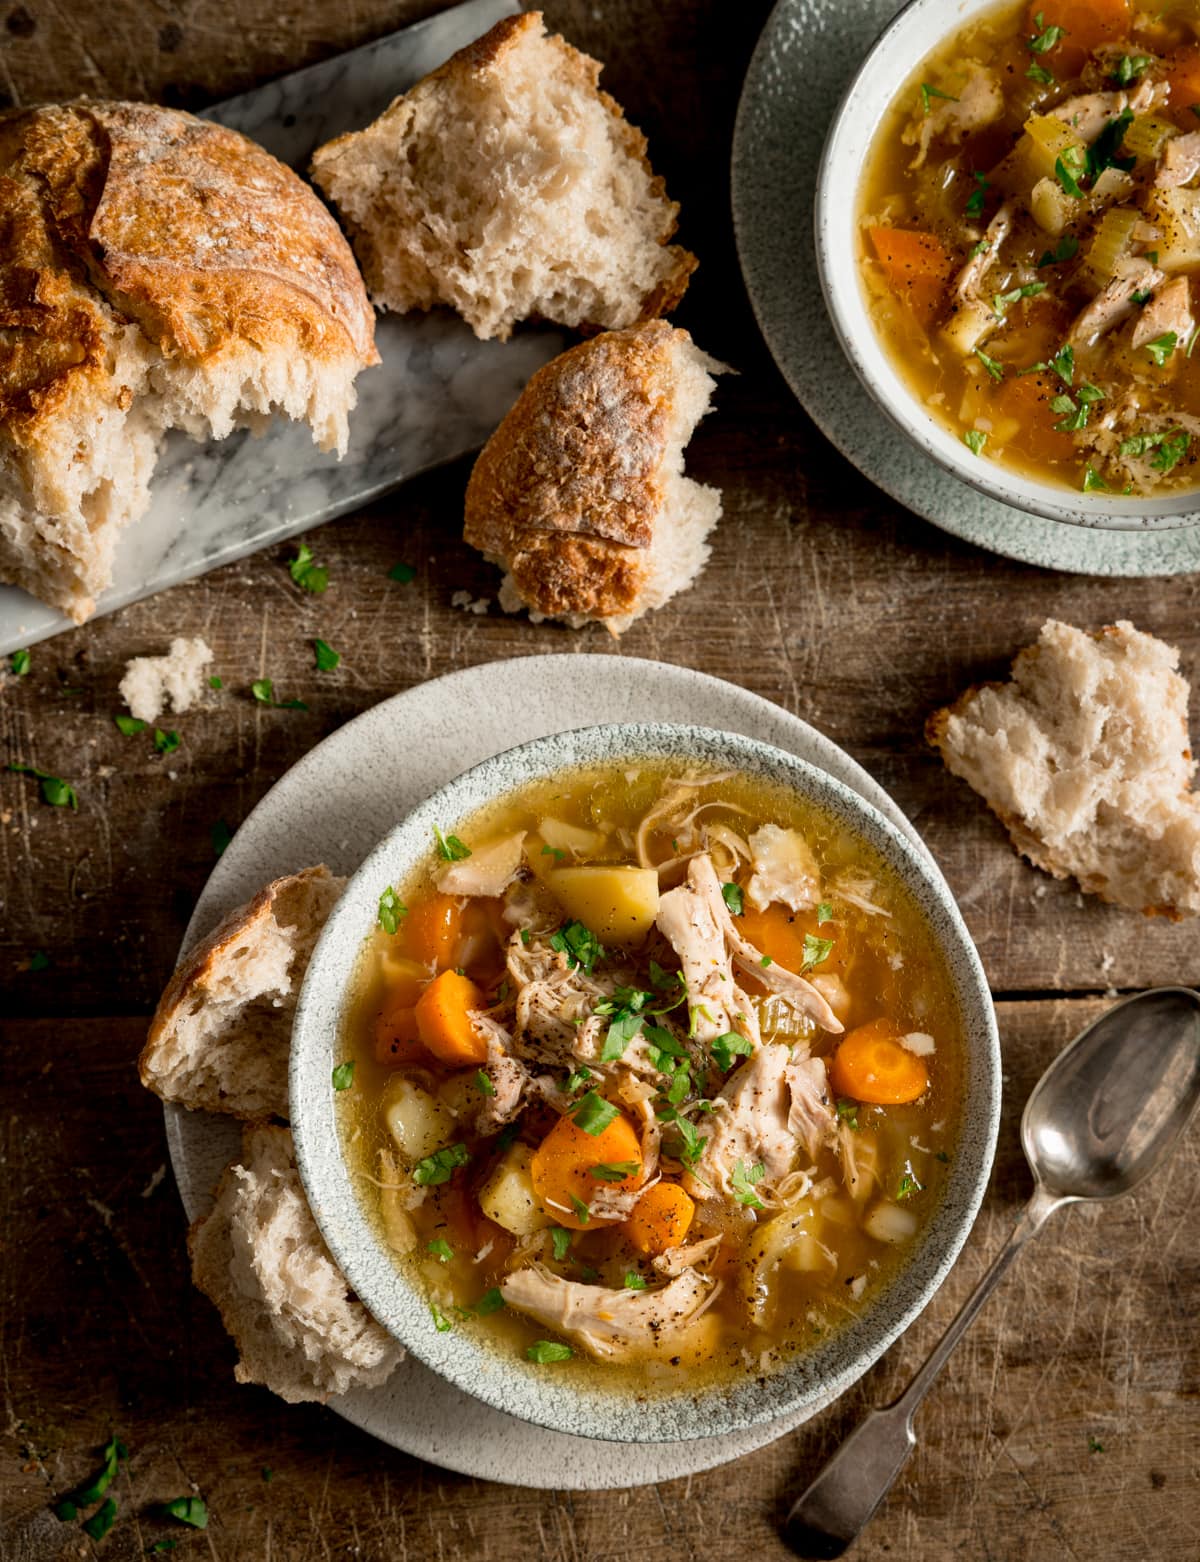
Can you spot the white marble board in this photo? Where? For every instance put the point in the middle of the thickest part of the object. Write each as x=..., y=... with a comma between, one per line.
x=438, y=392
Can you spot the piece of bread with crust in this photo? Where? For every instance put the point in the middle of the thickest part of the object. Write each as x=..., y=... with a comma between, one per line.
x=580, y=494
x=156, y=271
x=299, y=1329
x=507, y=185
x=1085, y=757
x=221, y=1035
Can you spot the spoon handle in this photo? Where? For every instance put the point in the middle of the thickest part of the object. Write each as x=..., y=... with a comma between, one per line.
x=852, y=1484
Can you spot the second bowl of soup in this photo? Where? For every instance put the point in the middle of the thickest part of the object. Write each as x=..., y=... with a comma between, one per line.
x=644, y=1083
x=1016, y=275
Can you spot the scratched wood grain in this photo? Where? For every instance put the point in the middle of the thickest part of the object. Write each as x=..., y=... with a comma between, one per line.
x=822, y=595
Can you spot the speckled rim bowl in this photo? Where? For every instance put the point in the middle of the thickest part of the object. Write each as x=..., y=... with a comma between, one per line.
x=898, y=52
x=511, y=1384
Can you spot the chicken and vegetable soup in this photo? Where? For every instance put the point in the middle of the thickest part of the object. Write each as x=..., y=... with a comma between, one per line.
x=651, y=1068
x=1030, y=240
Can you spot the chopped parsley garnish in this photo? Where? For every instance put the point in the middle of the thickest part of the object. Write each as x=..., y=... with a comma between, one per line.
x=928, y=92
x=101, y=1521
x=1130, y=67
x=592, y=1113
x=129, y=726
x=816, y=951
x=1103, y=151
x=490, y=1302
x=580, y=945
x=620, y=1033
x=634, y=1281
x=743, y=1180
x=1069, y=169
x=544, y=1351
x=908, y=1185
x=980, y=248
x=165, y=742
x=1067, y=249
x=554, y=851
x=440, y=1166
x=1041, y=75
x=402, y=572
x=440, y=1322
x=216, y=683
x=440, y=1249
x=943, y=1157
x=39, y=960
x=766, y=961
x=1095, y=1446
x=995, y=369
x=733, y=897
x=561, y=1240
x=327, y=657
x=1161, y=348
x=577, y=1080
x=343, y=1075
x=1171, y=451
x=1047, y=38
x=974, y=441
x=449, y=847
x=847, y=1112
x=94, y=1488
x=1092, y=482
x=55, y=791
x=615, y=1171
x=526, y=937
x=263, y=690
x=727, y=1047
x=484, y=1084
x=308, y=575
x=19, y=663
x=1001, y=301
x=824, y=913
x=977, y=199
x=188, y=1510
x=220, y=836
x=391, y=909
x=1063, y=364
x=1074, y=416
x=687, y=1143
x=582, y=1214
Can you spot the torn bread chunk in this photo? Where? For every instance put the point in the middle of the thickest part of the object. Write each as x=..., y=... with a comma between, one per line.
x=299, y=1329
x=1085, y=757
x=221, y=1035
x=151, y=682
x=157, y=271
x=508, y=186
x=580, y=494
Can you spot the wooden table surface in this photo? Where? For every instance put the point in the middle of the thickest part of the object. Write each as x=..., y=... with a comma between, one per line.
x=1066, y=1426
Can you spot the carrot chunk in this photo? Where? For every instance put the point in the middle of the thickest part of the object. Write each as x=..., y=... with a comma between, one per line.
x=1184, y=77
x=918, y=266
x=443, y=1015
x=1086, y=25
x=871, y=1065
x=570, y=1166
x=660, y=1218
x=432, y=930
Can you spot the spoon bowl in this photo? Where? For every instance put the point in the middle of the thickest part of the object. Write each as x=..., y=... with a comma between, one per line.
x=1109, y=1109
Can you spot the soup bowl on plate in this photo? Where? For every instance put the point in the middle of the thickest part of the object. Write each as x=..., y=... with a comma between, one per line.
x=899, y=81
x=454, y=1229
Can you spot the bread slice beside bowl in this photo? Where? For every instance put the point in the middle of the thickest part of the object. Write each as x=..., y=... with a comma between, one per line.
x=508, y=186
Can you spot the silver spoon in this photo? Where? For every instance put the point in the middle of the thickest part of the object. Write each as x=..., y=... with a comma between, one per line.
x=1104, y=1116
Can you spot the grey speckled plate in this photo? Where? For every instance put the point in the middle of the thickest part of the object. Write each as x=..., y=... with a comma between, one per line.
x=808, y=52
x=335, y=805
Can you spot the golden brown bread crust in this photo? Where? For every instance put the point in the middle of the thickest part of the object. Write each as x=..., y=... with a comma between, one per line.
x=111, y=212
x=566, y=491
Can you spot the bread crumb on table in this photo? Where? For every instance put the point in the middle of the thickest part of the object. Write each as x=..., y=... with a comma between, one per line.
x=151, y=681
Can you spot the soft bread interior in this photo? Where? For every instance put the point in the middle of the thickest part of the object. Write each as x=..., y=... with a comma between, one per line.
x=506, y=193
x=1085, y=756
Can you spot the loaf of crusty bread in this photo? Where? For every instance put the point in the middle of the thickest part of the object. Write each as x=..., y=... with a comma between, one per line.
x=507, y=185
x=1085, y=757
x=222, y=1033
x=580, y=494
x=259, y=1257
x=156, y=272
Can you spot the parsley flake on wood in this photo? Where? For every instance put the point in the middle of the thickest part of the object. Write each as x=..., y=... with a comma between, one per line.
x=307, y=574
x=19, y=663
x=402, y=572
x=165, y=742
x=39, y=960
x=593, y=1114
x=743, y=1180
x=216, y=683
x=129, y=726
x=449, y=847
x=440, y=1166
x=263, y=690
x=55, y=791
x=733, y=897
x=188, y=1510
x=390, y=911
x=101, y=1521
x=343, y=1075
x=728, y=1046
x=928, y=92
x=220, y=835
x=1095, y=1446
x=326, y=657
x=544, y=1351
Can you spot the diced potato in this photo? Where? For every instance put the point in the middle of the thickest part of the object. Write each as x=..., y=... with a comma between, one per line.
x=1051, y=207
x=507, y=1197
x=969, y=325
x=860, y=1161
x=888, y=1222
x=618, y=904
x=806, y=1253
x=460, y=1093
x=564, y=837
x=1177, y=215
x=404, y=977
x=418, y=1123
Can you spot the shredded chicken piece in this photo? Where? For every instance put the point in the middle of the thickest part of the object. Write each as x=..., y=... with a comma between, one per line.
x=510, y=1078
x=488, y=871
x=857, y=889
x=612, y=1203
x=611, y=1325
x=785, y=870
x=691, y=1255
x=952, y=120
x=690, y=921
x=1089, y=113
x=1180, y=162
x=811, y=1116
x=970, y=278
x=1169, y=311
x=748, y=1123
x=1114, y=305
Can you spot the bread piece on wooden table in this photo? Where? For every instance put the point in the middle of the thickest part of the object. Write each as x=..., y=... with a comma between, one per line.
x=156, y=272
x=1085, y=757
x=259, y=1256
x=580, y=494
x=151, y=681
x=507, y=185
x=221, y=1035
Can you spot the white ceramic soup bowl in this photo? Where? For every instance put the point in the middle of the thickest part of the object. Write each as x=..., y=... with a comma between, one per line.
x=464, y=1354
x=915, y=33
